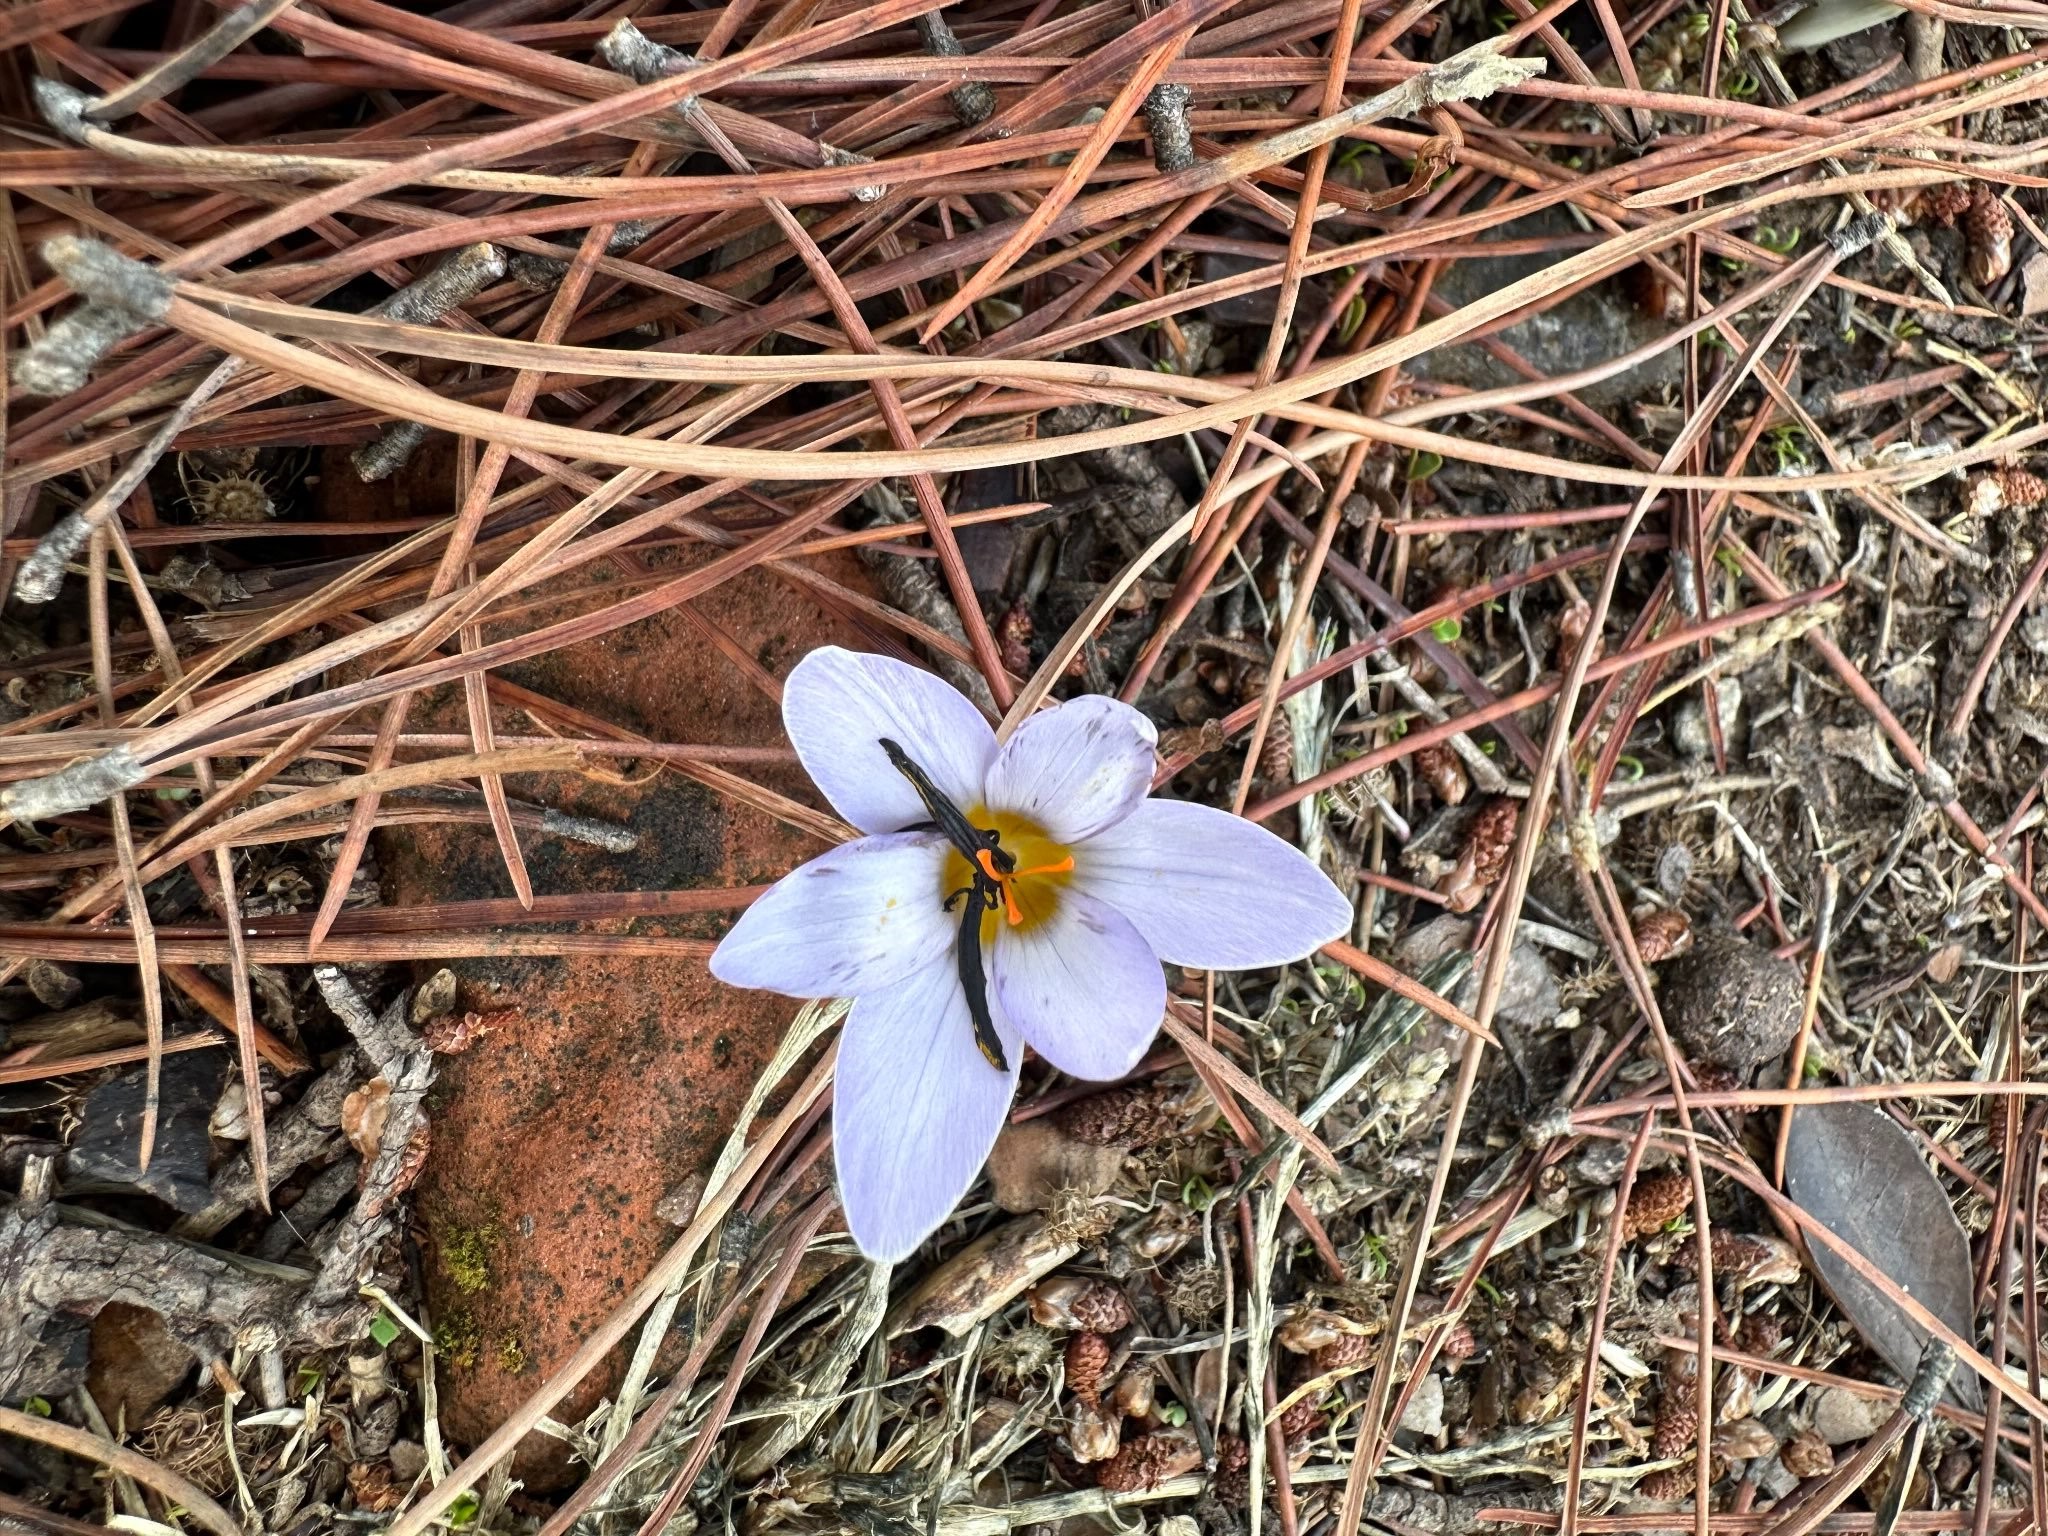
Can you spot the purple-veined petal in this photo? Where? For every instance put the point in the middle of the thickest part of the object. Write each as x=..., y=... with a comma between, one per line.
x=1210, y=889
x=1076, y=769
x=915, y=1109
x=865, y=915
x=1081, y=986
x=838, y=705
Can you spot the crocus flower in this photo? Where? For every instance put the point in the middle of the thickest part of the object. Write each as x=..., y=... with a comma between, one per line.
x=1041, y=920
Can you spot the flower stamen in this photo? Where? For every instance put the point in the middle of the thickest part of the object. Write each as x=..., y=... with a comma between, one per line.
x=1002, y=880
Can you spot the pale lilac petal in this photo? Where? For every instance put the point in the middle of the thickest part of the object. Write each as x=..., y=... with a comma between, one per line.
x=1076, y=769
x=915, y=1109
x=838, y=705
x=1212, y=890
x=1081, y=986
x=865, y=915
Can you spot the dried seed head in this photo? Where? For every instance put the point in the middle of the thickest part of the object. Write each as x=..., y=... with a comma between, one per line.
x=1087, y=1358
x=1662, y=934
x=1732, y=1003
x=1806, y=1454
x=1073, y=1215
x=1150, y=1460
x=233, y=499
x=1196, y=1291
x=1656, y=1200
x=1024, y=1354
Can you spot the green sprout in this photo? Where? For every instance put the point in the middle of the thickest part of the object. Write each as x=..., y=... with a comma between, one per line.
x=1788, y=444
x=1352, y=319
x=1197, y=1194
x=1783, y=241
x=383, y=1330
x=1422, y=464
x=464, y=1510
x=1447, y=629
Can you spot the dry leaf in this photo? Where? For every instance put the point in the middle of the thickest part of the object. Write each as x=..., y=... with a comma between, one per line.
x=362, y=1117
x=1861, y=1176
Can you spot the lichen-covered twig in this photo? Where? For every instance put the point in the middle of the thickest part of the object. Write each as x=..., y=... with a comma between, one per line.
x=911, y=586
x=122, y=296
x=190, y=62
x=974, y=101
x=632, y=53
x=423, y=301
x=1166, y=115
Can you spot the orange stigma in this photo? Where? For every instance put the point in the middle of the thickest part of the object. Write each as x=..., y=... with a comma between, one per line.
x=1003, y=881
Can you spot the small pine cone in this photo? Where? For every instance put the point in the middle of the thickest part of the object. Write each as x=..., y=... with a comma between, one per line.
x=1662, y=934
x=1441, y=770
x=1460, y=1344
x=1714, y=1078
x=1678, y=1423
x=2018, y=487
x=374, y=1487
x=1941, y=205
x=1806, y=1454
x=1670, y=1485
x=1655, y=1200
x=1276, y=756
x=1488, y=843
x=1349, y=1349
x=1087, y=1358
x=1571, y=626
x=1103, y=1308
x=1759, y=1335
x=1013, y=638
x=1125, y=1117
x=1987, y=229
x=1492, y=839
x=1301, y=1421
x=1232, y=1480
x=1146, y=1462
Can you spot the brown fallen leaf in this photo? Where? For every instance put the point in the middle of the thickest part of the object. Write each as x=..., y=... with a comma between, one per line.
x=1859, y=1174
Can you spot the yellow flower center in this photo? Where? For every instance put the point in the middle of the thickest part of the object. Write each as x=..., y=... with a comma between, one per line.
x=1029, y=893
